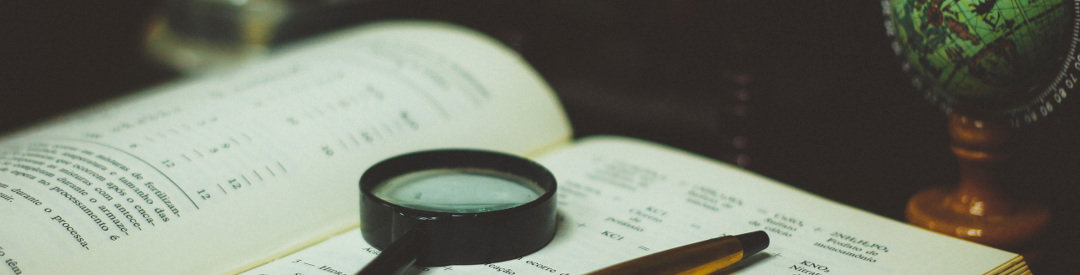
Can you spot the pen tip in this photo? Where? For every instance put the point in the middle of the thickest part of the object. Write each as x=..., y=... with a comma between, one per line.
x=753, y=242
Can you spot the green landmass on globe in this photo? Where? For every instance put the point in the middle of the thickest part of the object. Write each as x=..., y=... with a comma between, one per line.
x=982, y=50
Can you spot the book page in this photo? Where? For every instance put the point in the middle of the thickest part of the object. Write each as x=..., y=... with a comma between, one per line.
x=620, y=199
x=222, y=173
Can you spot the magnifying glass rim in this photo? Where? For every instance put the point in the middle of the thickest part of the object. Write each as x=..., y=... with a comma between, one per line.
x=461, y=238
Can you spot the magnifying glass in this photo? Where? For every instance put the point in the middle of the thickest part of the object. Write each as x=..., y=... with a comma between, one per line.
x=454, y=207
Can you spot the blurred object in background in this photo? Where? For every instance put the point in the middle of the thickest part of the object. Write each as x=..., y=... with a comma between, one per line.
x=196, y=36
x=736, y=107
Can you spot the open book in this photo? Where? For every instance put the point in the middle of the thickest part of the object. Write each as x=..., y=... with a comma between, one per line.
x=257, y=171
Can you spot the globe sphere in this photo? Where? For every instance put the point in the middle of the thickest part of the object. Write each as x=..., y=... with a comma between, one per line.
x=982, y=54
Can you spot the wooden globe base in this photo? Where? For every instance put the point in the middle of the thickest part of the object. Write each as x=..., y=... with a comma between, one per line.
x=942, y=210
x=978, y=209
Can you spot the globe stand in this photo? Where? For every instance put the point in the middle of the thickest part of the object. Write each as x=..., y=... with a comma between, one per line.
x=978, y=209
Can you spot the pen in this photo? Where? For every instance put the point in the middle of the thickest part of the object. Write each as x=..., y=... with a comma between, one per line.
x=704, y=257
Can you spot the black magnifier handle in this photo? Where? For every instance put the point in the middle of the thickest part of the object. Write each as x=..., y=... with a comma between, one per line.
x=399, y=256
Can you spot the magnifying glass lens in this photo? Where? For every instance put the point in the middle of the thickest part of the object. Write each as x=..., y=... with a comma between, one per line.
x=463, y=190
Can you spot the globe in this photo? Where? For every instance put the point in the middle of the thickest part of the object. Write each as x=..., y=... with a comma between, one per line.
x=985, y=56
x=990, y=64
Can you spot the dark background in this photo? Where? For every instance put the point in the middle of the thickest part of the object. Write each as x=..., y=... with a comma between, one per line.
x=805, y=92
